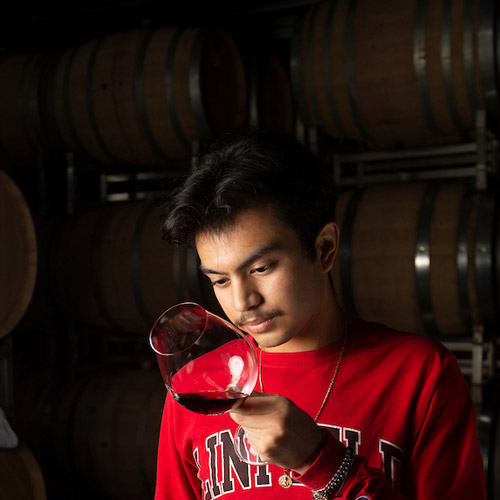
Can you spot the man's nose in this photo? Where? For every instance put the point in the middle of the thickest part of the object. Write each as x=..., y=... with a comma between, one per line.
x=245, y=296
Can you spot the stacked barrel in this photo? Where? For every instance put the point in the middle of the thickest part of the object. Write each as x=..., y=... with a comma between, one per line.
x=18, y=262
x=20, y=475
x=97, y=432
x=137, y=97
x=396, y=72
x=420, y=257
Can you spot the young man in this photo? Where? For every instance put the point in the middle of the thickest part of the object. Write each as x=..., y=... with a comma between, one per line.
x=343, y=408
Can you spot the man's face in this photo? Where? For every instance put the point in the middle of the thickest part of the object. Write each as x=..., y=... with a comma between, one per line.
x=265, y=284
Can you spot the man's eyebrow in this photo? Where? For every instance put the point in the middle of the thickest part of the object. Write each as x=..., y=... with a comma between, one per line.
x=257, y=254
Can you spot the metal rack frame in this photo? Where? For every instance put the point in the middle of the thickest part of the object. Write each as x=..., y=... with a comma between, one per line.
x=476, y=159
x=481, y=365
x=124, y=185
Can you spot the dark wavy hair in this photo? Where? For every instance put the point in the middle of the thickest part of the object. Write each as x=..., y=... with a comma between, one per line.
x=247, y=169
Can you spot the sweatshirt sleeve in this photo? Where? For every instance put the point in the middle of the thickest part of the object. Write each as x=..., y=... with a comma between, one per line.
x=366, y=482
x=176, y=479
x=444, y=461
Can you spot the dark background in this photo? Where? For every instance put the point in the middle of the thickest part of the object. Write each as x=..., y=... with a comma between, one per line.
x=55, y=25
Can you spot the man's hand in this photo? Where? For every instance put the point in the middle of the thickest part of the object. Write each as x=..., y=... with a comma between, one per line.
x=279, y=431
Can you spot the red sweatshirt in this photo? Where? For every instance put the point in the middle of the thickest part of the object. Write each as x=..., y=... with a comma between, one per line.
x=400, y=401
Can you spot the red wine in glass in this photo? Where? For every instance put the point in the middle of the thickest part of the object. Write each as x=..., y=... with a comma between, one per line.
x=209, y=403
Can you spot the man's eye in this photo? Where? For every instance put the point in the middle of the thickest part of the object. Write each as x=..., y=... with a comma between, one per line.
x=220, y=282
x=263, y=269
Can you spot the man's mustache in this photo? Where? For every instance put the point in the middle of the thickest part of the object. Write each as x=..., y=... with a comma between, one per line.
x=252, y=316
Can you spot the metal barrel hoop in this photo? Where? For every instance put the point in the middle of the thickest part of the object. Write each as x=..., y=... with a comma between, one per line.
x=423, y=258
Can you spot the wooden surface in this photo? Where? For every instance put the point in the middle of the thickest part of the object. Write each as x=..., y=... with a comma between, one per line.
x=366, y=79
x=18, y=257
x=382, y=256
x=20, y=475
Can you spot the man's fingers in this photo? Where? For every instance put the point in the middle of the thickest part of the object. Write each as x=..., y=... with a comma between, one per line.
x=258, y=403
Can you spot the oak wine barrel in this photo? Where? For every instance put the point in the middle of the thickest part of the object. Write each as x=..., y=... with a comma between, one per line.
x=396, y=71
x=18, y=259
x=20, y=475
x=115, y=272
x=99, y=430
x=141, y=97
x=22, y=137
x=419, y=256
x=115, y=430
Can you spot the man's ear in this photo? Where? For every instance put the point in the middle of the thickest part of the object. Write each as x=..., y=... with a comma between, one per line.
x=327, y=244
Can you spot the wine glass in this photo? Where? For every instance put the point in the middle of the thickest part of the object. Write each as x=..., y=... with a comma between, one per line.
x=208, y=365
